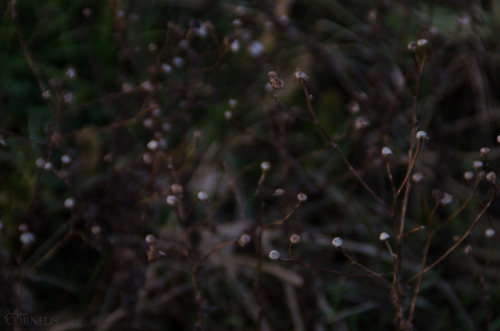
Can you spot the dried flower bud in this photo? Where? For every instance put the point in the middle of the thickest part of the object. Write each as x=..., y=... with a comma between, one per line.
x=279, y=192
x=489, y=233
x=203, y=196
x=294, y=238
x=70, y=73
x=153, y=145
x=302, y=197
x=417, y=177
x=422, y=135
x=386, y=151
x=176, y=188
x=274, y=254
x=228, y=115
x=491, y=176
x=166, y=68
x=337, y=242
x=498, y=139
x=383, y=236
x=27, y=238
x=147, y=158
x=244, y=239
x=484, y=151
x=412, y=46
x=265, y=166
x=232, y=103
x=301, y=76
x=468, y=249
x=66, y=159
x=422, y=42
x=477, y=164
x=361, y=123
x=446, y=199
x=468, y=175
x=69, y=203
x=275, y=81
x=255, y=49
x=150, y=239
x=23, y=227
x=95, y=229
x=171, y=200
x=353, y=107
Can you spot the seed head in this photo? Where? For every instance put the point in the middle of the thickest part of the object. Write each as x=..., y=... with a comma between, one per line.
x=294, y=238
x=244, y=239
x=446, y=199
x=422, y=42
x=302, y=197
x=171, y=200
x=265, y=166
x=337, y=242
x=417, y=177
x=422, y=135
x=386, y=151
x=477, y=164
x=274, y=254
x=301, y=76
x=275, y=81
x=468, y=175
x=279, y=192
x=150, y=239
x=69, y=203
x=484, y=151
x=27, y=238
x=203, y=196
x=383, y=236
x=491, y=176
x=489, y=233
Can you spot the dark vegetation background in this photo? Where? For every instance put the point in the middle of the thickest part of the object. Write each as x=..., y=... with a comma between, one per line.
x=98, y=81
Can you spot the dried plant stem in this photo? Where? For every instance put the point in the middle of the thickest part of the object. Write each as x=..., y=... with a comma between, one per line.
x=460, y=240
x=336, y=147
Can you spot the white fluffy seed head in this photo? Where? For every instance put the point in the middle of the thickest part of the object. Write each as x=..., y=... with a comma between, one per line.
x=69, y=203
x=153, y=145
x=302, y=197
x=337, y=242
x=386, y=151
x=203, y=196
x=27, y=238
x=66, y=159
x=274, y=254
x=383, y=236
x=468, y=175
x=422, y=42
x=171, y=200
x=422, y=135
x=489, y=233
x=477, y=164
x=265, y=166
x=446, y=199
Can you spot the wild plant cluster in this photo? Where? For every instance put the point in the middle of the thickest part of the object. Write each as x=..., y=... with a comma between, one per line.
x=249, y=165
